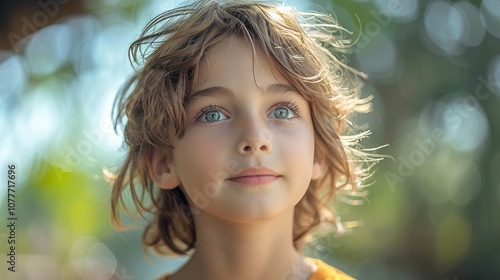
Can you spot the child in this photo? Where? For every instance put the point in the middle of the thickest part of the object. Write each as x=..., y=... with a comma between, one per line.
x=240, y=133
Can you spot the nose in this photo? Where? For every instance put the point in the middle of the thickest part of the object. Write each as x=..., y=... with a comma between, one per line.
x=255, y=139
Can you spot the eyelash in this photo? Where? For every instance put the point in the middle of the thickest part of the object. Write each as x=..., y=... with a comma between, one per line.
x=288, y=104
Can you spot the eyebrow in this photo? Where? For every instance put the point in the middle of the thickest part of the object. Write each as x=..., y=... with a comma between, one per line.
x=282, y=89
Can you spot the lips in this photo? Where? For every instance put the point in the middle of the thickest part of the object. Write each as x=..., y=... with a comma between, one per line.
x=255, y=176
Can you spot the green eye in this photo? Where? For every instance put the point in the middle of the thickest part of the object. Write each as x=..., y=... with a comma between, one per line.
x=211, y=115
x=287, y=110
x=283, y=113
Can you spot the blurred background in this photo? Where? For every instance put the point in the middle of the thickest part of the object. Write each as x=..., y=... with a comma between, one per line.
x=434, y=70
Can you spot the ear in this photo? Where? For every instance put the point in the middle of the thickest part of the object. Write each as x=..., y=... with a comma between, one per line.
x=319, y=167
x=161, y=170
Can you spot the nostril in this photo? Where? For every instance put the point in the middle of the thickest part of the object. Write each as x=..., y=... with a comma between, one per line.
x=247, y=148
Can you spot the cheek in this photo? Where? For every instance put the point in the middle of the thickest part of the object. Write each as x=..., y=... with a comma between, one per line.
x=296, y=149
x=297, y=142
x=198, y=157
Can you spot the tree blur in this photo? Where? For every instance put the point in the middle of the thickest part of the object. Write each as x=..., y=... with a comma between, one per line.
x=431, y=213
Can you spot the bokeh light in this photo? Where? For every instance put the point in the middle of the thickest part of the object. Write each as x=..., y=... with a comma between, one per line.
x=465, y=125
x=402, y=11
x=445, y=25
x=494, y=76
x=473, y=30
x=490, y=16
x=433, y=68
x=380, y=59
x=49, y=49
x=12, y=77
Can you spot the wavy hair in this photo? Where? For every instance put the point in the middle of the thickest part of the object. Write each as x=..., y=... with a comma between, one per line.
x=306, y=48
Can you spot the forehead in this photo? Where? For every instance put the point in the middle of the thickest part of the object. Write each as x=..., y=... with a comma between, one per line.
x=235, y=57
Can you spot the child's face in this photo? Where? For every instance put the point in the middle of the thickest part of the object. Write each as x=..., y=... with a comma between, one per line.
x=245, y=115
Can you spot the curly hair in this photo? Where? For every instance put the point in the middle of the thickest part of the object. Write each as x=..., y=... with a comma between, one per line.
x=306, y=48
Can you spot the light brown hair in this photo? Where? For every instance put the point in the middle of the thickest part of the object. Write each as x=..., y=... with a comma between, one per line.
x=306, y=48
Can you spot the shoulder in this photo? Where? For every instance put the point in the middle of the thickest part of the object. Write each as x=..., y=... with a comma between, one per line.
x=323, y=272
x=327, y=272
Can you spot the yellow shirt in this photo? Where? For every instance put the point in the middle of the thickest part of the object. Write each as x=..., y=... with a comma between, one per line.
x=327, y=272
x=323, y=272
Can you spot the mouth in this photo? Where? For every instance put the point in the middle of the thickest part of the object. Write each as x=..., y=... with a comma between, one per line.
x=255, y=179
x=255, y=176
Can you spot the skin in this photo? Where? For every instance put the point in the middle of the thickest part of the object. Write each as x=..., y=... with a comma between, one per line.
x=242, y=231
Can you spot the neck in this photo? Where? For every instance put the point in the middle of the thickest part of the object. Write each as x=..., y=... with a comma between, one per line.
x=256, y=250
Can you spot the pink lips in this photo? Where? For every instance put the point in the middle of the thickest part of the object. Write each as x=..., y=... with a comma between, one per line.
x=255, y=176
